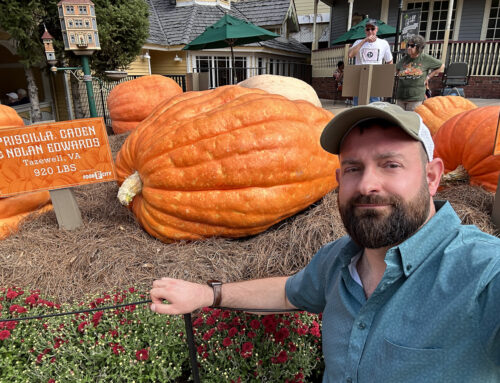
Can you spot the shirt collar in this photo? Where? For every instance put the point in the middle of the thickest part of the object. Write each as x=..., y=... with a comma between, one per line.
x=417, y=248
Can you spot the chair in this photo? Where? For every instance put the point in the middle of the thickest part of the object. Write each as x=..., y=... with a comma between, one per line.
x=455, y=77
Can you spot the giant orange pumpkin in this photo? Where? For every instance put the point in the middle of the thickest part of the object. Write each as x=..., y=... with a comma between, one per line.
x=13, y=210
x=9, y=117
x=467, y=139
x=132, y=101
x=435, y=111
x=225, y=162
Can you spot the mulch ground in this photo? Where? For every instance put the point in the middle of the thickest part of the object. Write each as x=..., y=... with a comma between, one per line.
x=112, y=251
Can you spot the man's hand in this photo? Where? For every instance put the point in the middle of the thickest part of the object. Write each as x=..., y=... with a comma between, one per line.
x=370, y=39
x=182, y=297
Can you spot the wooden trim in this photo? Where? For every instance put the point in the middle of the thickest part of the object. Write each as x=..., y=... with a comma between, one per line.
x=384, y=11
x=486, y=16
x=458, y=19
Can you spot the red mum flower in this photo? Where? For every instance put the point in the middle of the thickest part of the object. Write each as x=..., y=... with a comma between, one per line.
x=226, y=342
x=255, y=324
x=292, y=347
x=11, y=325
x=281, y=335
x=51, y=381
x=314, y=330
x=246, y=350
x=4, y=334
x=142, y=354
x=82, y=325
x=282, y=357
x=251, y=334
x=97, y=318
x=208, y=334
x=11, y=294
x=17, y=309
x=232, y=332
x=210, y=321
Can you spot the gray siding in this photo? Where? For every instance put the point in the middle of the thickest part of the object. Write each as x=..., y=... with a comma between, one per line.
x=472, y=20
x=341, y=9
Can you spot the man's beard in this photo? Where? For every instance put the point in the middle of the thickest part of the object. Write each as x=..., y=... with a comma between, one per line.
x=373, y=229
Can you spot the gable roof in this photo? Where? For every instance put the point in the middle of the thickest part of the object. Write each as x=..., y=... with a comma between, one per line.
x=178, y=25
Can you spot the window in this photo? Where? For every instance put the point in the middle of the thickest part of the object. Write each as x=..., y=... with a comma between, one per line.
x=70, y=23
x=72, y=38
x=433, y=18
x=493, y=29
x=70, y=9
x=89, y=38
x=220, y=69
x=82, y=9
x=87, y=24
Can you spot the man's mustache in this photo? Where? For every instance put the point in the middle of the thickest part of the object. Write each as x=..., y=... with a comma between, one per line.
x=374, y=199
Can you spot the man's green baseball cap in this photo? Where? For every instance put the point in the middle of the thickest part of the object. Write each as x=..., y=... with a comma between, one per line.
x=342, y=123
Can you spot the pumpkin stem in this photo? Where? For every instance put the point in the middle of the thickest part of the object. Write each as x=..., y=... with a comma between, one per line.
x=457, y=176
x=130, y=188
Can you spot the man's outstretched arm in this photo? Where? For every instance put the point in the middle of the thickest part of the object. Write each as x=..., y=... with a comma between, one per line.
x=184, y=297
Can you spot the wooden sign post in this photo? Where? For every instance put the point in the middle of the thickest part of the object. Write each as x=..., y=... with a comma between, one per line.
x=495, y=215
x=365, y=81
x=54, y=157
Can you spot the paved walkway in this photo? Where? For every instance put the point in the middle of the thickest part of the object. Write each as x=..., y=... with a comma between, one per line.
x=339, y=105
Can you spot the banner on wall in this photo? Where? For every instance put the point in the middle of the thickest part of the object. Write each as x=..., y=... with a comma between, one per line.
x=410, y=25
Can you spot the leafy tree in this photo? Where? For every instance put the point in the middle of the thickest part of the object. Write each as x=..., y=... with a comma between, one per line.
x=22, y=19
x=123, y=29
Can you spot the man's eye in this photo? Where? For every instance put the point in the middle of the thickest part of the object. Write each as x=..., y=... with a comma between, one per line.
x=392, y=165
x=350, y=169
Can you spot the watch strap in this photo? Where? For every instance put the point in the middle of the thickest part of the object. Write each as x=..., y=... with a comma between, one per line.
x=217, y=289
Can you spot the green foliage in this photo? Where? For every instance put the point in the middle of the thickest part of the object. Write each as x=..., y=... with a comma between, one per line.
x=22, y=20
x=122, y=25
x=123, y=29
x=133, y=344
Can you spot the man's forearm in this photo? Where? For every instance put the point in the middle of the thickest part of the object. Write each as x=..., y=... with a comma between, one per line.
x=175, y=296
x=353, y=51
x=268, y=293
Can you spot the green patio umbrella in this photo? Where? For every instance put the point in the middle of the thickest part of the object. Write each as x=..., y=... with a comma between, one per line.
x=229, y=32
x=358, y=32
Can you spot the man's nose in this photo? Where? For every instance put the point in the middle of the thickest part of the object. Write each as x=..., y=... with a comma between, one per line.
x=369, y=183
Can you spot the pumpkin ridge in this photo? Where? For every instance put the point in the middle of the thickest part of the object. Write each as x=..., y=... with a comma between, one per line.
x=185, y=127
x=262, y=148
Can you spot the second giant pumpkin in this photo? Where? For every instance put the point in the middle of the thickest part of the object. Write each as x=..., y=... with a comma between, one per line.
x=226, y=162
x=132, y=101
x=467, y=139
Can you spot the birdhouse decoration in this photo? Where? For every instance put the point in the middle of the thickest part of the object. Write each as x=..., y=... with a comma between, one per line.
x=79, y=26
x=50, y=54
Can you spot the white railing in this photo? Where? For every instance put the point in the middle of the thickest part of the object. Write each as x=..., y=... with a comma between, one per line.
x=483, y=57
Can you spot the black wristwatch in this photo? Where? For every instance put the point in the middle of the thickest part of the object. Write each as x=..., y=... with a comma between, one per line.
x=217, y=287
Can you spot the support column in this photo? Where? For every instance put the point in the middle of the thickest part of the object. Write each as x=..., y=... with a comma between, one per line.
x=447, y=32
x=314, y=31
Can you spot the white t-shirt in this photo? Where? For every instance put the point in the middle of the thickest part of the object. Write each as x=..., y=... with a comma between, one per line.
x=373, y=53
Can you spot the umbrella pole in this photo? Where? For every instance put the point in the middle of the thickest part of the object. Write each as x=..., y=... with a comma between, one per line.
x=235, y=80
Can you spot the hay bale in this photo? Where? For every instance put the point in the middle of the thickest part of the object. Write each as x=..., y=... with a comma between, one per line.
x=112, y=251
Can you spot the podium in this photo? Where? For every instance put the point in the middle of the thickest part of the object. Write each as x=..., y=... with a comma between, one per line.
x=365, y=81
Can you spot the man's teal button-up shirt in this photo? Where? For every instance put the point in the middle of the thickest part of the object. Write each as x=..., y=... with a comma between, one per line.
x=434, y=317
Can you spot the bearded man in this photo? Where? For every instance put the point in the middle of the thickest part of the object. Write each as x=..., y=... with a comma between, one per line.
x=410, y=295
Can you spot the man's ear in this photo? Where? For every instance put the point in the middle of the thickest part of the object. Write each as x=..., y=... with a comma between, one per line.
x=434, y=171
x=337, y=175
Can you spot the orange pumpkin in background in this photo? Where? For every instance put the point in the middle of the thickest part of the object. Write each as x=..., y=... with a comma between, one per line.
x=435, y=111
x=226, y=162
x=132, y=101
x=467, y=139
x=14, y=209
x=9, y=117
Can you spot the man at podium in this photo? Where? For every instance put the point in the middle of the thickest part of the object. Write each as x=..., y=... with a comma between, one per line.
x=370, y=50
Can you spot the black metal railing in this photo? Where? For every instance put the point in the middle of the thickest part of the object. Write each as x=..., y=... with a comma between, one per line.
x=224, y=76
x=102, y=89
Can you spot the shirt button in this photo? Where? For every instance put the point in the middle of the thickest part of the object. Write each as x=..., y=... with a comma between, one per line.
x=349, y=380
x=408, y=267
x=361, y=325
